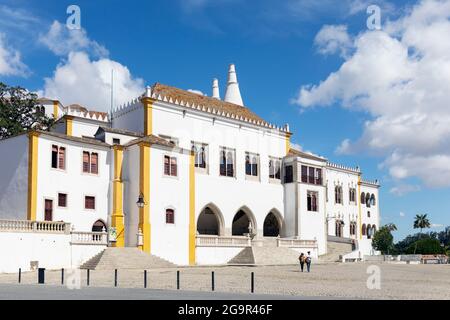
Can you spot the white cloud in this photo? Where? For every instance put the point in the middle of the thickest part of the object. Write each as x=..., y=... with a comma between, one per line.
x=436, y=225
x=402, y=214
x=333, y=39
x=62, y=40
x=10, y=60
x=400, y=76
x=403, y=189
x=80, y=80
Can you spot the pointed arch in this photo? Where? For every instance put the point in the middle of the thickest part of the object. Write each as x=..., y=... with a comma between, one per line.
x=241, y=221
x=210, y=220
x=273, y=224
x=99, y=225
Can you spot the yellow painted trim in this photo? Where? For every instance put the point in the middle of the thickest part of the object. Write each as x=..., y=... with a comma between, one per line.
x=117, y=215
x=55, y=109
x=359, y=207
x=288, y=144
x=33, y=139
x=192, y=229
x=69, y=125
x=148, y=115
x=144, y=188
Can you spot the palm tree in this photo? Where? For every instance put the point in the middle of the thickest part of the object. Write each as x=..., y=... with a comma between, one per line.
x=421, y=221
x=391, y=227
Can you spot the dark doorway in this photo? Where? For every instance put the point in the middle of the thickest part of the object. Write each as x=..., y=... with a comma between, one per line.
x=271, y=226
x=48, y=214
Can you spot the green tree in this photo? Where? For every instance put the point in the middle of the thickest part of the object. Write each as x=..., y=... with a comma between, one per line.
x=426, y=246
x=19, y=112
x=383, y=240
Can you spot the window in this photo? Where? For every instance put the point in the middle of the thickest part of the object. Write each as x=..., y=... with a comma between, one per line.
x=311, y=175
x=372, y=199
x=94, y=163
x=352, y=195
x=86, y=161
x=116, y=141
x=363, y=229
x=367, y=200
x=352, y=228
x=368, y=214
x=170, y=166
x=58, y=157
x=90, y=162
x=338, y=194
x=251, y=164
x=62, y=200
x=288, y=174
x=227, y=162
x=312, y=201
x=200, y=155
x=89, y=202
x=275, y=168
x=170, y=216
x=363, y=198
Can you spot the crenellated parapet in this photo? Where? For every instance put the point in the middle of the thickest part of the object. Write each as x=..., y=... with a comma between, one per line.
x=342, y=167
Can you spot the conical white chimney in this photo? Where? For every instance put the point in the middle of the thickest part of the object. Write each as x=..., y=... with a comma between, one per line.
x=232, y=93
x=215, y=89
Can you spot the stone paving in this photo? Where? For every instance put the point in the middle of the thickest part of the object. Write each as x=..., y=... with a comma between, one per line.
x=397, y=281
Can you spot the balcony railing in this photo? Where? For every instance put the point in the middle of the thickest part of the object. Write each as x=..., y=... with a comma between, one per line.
x=296, y=243
x=34, y=226
x=89, y=238
x=219, y=241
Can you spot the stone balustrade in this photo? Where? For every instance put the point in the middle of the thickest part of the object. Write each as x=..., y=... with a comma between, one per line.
x=89, y=238
x=34, y=226
x=296, y=243
x=225, y=241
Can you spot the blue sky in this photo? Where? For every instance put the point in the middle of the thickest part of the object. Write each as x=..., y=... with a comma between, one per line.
x=277, y=51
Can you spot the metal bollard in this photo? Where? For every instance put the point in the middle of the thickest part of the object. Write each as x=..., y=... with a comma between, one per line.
x=212, y=280
x=41, y=275
x=62, y=276
x=20, y=275
x=178, y=279
x=88, y=277
x=253, y=283
x=145, y=278
x=115, y=277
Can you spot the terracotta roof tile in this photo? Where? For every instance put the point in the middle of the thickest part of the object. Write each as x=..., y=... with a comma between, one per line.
x=197, y=99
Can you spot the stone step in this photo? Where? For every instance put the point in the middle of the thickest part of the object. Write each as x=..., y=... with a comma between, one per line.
x=125, y=258
x=335, y=251
x=266, y=256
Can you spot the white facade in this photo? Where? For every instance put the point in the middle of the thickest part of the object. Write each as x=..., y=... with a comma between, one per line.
x=226, y=197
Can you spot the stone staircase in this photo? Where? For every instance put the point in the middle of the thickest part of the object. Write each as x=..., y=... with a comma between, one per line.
x=124, y=258
x=335, y=250
x=265, y=256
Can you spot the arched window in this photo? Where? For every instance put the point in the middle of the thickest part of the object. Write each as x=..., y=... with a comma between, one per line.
x=338, y=194
x=248, y=166
x=230, y=165
x=254, y=166
x=363, y=198
x=372, y=199
x=369, y=231
x=223, y=163
x=170, y=216
x=368, y=200
x=364, y=229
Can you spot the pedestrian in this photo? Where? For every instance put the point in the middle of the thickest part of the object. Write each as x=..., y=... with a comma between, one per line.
x=308, y=261
x=302, y=260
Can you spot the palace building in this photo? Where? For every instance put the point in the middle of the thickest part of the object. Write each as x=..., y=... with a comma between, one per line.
x=188, y=178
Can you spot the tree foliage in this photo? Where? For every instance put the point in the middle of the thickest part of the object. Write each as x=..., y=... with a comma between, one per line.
x=19, y=112
x=383, y=240
x=425, y=246
x=421, y=222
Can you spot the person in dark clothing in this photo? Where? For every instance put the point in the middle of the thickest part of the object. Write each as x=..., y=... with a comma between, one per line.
x=302, y=259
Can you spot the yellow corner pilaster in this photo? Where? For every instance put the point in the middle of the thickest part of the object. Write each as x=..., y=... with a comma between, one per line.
x=144, y=188
x=359, y=207
x=55, y=109
x=117, y=215
x=288, y=144
x=148, y=115
x=192, y=228
x=33, y=139
x=69, y=125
